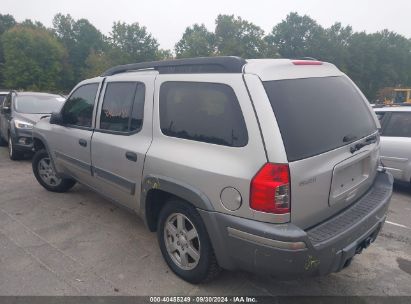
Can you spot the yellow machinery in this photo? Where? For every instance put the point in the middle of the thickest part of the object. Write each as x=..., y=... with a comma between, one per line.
x=399, y=96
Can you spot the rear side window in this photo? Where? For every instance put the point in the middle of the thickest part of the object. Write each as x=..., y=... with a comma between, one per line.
x=399, y=125
x=206, y=112
x=78, y=109
x=316, y=115
x=123, y=105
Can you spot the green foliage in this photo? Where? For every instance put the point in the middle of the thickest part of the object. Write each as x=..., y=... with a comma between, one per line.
x=379, y=60
x=296, y=37
x=79, y=38
x=6, y=22
x=235, y=36
x=197, y=41
x=134, y=41
x=97, y=62
x=373, y=61
x=33, y=58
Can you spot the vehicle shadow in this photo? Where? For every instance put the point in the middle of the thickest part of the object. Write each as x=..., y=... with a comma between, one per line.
x=402, y=187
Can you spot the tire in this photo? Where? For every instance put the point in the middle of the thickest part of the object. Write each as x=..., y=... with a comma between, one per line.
x=181, y=241
x=13, y=153
x=44, y=172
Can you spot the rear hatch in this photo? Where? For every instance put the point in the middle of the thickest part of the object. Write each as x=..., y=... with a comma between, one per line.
x=331, y=142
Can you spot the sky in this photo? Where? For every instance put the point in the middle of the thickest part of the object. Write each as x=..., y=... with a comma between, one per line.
x=167, y=19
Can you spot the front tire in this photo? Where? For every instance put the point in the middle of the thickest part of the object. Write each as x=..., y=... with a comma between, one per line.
x=13, y=153
x=46, y=176
x=185, y=244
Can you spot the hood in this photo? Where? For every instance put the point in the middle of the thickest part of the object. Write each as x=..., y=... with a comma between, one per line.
x=31, y=118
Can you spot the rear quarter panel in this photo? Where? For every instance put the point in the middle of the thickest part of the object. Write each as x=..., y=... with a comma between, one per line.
x=209, y=167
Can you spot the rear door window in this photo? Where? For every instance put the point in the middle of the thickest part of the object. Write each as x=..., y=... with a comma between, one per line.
x=123, y=105
x=316, y=115
x=399, y=125
x=206, y=112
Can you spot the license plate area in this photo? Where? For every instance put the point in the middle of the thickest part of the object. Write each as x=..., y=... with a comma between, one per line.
x=349, y=177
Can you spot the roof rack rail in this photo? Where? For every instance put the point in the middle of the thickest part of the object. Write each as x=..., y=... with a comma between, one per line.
x=305, y=58
x=404, y=104
x=222, y=64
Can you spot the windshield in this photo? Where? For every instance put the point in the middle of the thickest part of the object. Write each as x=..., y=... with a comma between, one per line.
x=38, y=104
x=2, y=97
x=316, y=115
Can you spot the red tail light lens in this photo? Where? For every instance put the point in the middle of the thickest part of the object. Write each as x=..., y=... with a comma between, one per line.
x=307, y=62
x=270, y=189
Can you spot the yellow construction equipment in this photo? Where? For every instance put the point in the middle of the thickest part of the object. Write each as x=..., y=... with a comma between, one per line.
x=399, y=96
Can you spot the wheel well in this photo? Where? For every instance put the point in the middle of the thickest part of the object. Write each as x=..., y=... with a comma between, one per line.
x=155, y=201
x=38, y=144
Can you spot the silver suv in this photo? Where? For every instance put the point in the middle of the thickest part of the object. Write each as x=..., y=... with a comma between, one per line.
x=269, y=166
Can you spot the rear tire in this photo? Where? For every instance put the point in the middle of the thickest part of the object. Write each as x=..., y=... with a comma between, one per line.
x=13, y=153
x=185, y=244
x=46, y=176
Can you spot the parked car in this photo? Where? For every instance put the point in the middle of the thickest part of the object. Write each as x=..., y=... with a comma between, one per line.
x=396, y=140
x=18, y=113
x=267, y=165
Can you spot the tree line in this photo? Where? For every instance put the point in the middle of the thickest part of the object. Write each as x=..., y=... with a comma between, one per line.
x=34, y=57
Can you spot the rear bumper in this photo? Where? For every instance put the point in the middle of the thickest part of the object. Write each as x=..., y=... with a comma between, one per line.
x=288, y=251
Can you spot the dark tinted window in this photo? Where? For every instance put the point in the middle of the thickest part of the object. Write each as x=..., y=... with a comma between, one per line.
x=78, y=109
x=206, y=112
x=32, y=104
x=120, y=100
x=137, y=113
x=315, y=115
x=399, y=125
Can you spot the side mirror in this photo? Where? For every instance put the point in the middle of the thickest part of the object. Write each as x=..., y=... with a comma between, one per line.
x=56, y=118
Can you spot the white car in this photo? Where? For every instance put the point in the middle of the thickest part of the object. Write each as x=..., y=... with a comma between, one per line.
x=396, y=140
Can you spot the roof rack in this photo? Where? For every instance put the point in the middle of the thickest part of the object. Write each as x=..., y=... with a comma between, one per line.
x=404, y=104
x=305, y=58
x=222, y=64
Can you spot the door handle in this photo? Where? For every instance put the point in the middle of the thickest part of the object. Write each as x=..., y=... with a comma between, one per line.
x=131, y=156
x=82, y=142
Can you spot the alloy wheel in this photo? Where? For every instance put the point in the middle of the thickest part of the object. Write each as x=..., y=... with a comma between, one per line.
x=182, y=241
x=46, y=172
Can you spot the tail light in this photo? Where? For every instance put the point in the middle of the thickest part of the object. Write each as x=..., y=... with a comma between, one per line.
x=270, y=189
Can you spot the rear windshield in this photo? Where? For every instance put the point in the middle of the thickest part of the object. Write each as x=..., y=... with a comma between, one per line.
x=39, y=104
x=316, y=115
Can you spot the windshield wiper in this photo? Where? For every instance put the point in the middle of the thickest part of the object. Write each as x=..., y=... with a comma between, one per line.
x=368, y=141
x=349, y=138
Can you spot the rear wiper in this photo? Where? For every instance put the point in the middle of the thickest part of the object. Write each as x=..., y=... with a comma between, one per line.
x=349, y=138
x=368, y=141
